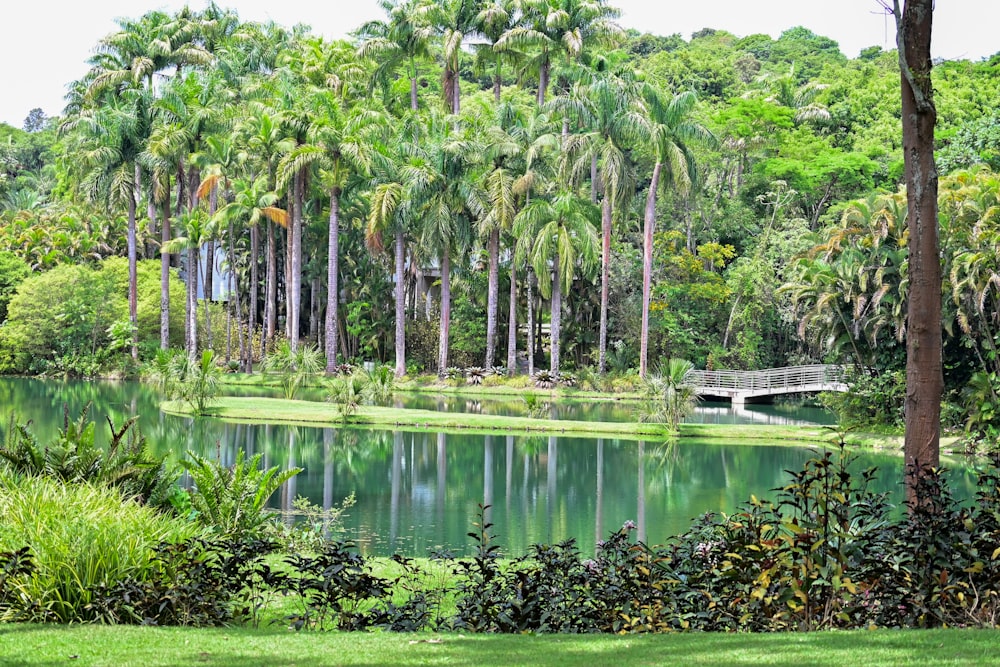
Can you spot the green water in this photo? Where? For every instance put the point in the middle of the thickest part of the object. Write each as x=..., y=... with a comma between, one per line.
x=417, y=492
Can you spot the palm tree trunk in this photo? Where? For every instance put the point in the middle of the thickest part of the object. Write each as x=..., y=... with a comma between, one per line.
x=649, y=225
x=555, y=319
x=531, y=321
x=165, y=273
x=512, y=323
x=192, y=302
x=400, y=306
x=413, y=85
x=333, y=289
x=133, y=283
x=605, y=276
x=254, y=287
x=295, y=290
x=493, y=296
x=543, y=81
x=445, y=312
x=271, y=287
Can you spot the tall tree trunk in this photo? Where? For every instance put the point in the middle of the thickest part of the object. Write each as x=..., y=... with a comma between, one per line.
x=492, y=295
x=254, y=287
x=333, y=287
x=192, y=302
x=512, y=323
x=295, y=289
x=497, y=83
x=649, y=226
x=530, y=297
x=543, y=81
x=271, y=287
x=556, y=317
x=413, y=85
x=213, y=204
x=133, y=283
x=924, y=378
x=400, y=306
x=165, y=273
x=445, y=328
x=602, y=344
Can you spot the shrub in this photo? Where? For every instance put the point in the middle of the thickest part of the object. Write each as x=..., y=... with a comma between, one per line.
x=82, y=536
x=126, y=464
x=232, y=501
x=293, y=367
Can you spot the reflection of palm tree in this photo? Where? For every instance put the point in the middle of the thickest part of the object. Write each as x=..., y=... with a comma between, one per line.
x=641, y=491
x=488, y=478
x=551, y=484
x=442, y=481
x=598, y=505
x=395, y=483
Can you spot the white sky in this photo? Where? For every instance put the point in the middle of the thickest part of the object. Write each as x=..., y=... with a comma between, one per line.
x=45, y=43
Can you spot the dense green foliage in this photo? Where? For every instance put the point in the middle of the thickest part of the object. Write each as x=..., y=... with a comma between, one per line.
x=828, y=552
x=323, y=175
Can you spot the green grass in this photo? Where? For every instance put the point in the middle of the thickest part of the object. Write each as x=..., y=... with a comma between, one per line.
x=92, y=646
x=308, y=413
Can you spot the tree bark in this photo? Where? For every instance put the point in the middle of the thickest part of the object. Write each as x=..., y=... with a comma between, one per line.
x=530, y=298
x=924, y=377
x=555, y=319
x=492, y=296
x=295, y=251
x=543, y=81
x=445, y=326
x=332, y=284
x=512, y=323
x=400, y=307
x=649, y=226
x=165, y=273
x=133, y=283
x=271, y=287
x=602, y=344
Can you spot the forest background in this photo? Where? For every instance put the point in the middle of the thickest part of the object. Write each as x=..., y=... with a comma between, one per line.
x=501, y=157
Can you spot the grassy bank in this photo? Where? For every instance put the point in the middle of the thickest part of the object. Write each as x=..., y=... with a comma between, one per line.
x=118, y=646
x=309, y=413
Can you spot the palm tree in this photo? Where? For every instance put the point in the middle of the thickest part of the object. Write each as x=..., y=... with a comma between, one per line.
x=117, y=131
x=455, y=19
x=265, y=137
x=609, y=107
x=559, y=232
x=196, y=229
x=492, y=22
x=445, y=192
x=671, y=129
x=391, y=212
x=343, y=142
x=252, y=203
x=552, y=27
x=404, y=38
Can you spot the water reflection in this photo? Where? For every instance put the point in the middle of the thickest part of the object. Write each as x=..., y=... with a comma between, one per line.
x=419, y=491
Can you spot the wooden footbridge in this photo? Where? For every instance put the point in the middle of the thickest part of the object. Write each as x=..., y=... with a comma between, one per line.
x=738, y=386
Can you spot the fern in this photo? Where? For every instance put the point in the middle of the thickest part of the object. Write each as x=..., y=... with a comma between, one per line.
x=232, y=501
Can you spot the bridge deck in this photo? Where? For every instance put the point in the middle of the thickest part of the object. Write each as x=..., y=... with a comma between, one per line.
x=741, y=385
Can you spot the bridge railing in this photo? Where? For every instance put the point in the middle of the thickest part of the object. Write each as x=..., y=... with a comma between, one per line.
x=771, y=378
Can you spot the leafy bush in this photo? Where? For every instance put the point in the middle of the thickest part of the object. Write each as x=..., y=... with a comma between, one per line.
x=74, y=456
x=82, y=536
x=293, y=367
x=196, y=582
x=232, y=501
x=58, y=321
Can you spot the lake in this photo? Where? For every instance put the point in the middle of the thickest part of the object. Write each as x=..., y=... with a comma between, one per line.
x=417, y=492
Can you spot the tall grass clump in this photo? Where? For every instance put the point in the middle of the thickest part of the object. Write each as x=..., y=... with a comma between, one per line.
x=82, y=537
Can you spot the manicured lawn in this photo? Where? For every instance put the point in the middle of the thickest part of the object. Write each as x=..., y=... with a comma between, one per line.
x=48, y=645
x=310, y=413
